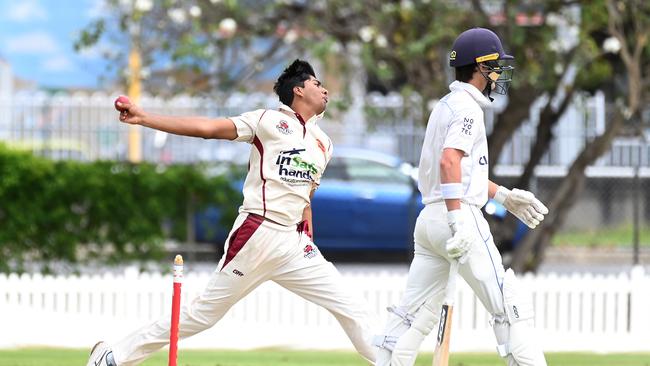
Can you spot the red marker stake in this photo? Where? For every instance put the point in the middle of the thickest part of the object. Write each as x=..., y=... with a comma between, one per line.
x=176, y=309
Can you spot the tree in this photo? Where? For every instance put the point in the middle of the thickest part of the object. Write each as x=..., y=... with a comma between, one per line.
x=194, y=47
x=211, y=46
x=628, y=22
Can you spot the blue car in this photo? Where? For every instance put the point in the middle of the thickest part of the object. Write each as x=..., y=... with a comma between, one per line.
x=367, y=201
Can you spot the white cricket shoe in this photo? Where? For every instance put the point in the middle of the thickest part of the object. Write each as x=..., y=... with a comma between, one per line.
x=101, y=355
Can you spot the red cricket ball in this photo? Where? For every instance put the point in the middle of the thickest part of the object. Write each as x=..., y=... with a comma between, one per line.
x=122, y=99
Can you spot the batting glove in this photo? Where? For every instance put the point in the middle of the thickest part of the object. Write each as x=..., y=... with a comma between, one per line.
x=522, y=204
x=462, y=240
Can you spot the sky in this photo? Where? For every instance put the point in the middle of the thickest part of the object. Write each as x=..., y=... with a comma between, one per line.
x=37, y=39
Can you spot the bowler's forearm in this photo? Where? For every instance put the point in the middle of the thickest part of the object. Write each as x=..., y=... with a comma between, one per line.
x=195, y=126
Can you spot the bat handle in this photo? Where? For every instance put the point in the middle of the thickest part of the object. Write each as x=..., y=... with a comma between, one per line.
x=450, y=290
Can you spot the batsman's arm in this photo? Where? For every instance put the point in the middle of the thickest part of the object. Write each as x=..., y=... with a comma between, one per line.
x=450, y=173
x=523, y=204
x=195, y=126
x=492, y=189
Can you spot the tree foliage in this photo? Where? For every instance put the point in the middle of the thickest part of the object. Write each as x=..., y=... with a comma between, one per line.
x=560, y=48
x=627, y=23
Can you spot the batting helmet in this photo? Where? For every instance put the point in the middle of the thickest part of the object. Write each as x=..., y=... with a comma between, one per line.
x=476, y=45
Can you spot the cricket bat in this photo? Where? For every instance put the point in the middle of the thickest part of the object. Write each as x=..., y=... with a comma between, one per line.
x=441, y=353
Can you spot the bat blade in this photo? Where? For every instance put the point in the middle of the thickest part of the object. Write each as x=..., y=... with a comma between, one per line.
x=441, y=353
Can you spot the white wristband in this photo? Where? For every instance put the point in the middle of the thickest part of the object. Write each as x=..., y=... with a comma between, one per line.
x=452, y=190
x=501, y=194
x=454, y=216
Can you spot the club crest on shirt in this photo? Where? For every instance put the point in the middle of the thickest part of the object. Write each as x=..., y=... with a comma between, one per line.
x=283, y=127
x=310, y=251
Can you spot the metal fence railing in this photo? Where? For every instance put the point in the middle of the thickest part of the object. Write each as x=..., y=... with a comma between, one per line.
x=84, y=126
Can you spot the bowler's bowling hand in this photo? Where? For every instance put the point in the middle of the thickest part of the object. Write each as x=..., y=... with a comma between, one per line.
x=129, y=112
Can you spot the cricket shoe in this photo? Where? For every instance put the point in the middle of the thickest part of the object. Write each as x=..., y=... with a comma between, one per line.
x=101, y=355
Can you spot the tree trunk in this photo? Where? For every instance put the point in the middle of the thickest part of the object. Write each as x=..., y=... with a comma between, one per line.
x=529, y=254
x=548, y=119
x=509, y=121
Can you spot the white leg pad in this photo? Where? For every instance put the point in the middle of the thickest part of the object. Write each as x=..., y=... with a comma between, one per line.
x=406, y=349
x=517, y=301
x=514, y=331
x=399, y=321
x=382, y=357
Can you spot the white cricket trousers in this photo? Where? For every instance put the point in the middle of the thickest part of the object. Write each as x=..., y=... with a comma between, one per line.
x=429, y=269
x=256, y=251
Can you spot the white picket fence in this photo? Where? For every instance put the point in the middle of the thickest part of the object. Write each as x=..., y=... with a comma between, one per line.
x=579, y=312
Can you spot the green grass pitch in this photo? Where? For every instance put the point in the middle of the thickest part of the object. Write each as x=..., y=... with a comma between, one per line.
x=273, y=357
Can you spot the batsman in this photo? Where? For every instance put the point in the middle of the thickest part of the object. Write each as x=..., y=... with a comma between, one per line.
x=454, y=182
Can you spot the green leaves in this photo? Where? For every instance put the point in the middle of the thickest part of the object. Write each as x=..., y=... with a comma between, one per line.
x=108, y=211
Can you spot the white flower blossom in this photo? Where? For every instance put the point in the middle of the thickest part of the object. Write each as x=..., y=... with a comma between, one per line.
x=227, y=27
x=406, y=4
x=612, y=45
x=381, y=41
x=366, y=33
x=143, y=5
x=291, y=36
x=195, y=11
x=553, y=19
x=177, y=15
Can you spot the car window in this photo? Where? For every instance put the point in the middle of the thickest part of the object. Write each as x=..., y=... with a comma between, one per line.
x=336, y=170
x=361, y=170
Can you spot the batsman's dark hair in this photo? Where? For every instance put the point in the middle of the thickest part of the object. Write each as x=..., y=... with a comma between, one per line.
x=464, y=73
x=292, y=76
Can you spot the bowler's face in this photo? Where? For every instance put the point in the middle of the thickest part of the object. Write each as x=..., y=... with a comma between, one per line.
x=315, y=94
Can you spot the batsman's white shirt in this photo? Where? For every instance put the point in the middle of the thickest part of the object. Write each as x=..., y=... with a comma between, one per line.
x=456, y=122
x=287, y=159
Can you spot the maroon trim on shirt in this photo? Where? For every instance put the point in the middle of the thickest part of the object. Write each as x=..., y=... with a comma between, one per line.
x=241, y=235
x=260, y=148
x=302, y=122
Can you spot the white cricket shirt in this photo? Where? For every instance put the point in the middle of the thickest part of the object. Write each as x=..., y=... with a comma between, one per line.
x=287, y=159
x=457, y=122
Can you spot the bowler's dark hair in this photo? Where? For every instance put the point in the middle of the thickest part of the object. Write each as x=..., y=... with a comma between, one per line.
x=464, y=73
x=292, y=76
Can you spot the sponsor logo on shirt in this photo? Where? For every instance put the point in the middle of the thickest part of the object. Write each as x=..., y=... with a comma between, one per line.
x=482, y=160
x=467, y=126
x=283, y=127
x=294, y=168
